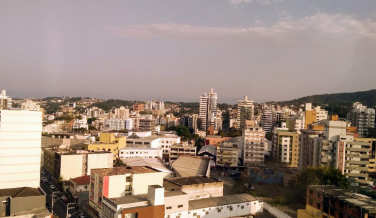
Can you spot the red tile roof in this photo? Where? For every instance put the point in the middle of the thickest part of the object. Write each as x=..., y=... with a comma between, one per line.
x=83, y=180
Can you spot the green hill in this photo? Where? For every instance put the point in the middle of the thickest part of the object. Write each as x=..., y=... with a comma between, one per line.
x=337, y=103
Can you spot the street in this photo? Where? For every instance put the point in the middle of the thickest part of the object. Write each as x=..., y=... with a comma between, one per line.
x=59, y=206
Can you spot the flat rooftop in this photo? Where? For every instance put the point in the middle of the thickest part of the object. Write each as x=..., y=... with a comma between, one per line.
x=220, y=201
x=20, y=192
x=192, y=180
x=173, y=193
x=359, y=200
x=128, y=199
x=124, y=170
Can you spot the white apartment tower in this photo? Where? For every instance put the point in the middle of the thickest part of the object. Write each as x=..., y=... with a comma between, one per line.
x=20, y=148
x=267, y=120
x=208, y=110
x=5, y=101
x=253, y=139
x=361, y=117
x=246, y=111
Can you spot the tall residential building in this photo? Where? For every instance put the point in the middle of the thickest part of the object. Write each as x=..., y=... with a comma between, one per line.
x=285, y=148
x=208, y=110
x=246, y=111
x=253, y=139
x=267, y=120
x=361, y=117
x=20, y=148
x=5, y=101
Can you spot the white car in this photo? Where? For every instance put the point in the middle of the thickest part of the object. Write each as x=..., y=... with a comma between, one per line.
x=82, y=215
x=44, y=179
x=52, y=187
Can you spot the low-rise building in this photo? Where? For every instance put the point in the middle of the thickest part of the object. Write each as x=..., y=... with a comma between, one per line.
x=120, y=181
x=215, y=139
x=133, y=152
x=108, y=142
x=18, y=200
x=332, y=201
x=186, y=166
x=227, y=155
x=180, y=150
x=196, y=187
x=68, y=164
x=79, y=190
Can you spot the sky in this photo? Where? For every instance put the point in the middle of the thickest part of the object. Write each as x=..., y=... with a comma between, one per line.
x=270, y=50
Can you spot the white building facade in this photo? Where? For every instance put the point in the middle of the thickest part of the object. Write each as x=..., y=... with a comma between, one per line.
x=20, y=148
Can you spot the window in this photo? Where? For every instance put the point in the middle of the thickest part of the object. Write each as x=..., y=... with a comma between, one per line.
x=128, y=179
x=194, y=214
x=180, y=206
x=168, y=208
x=4, y=203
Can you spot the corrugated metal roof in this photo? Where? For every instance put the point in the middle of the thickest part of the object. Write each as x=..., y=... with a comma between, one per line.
x=190, y=166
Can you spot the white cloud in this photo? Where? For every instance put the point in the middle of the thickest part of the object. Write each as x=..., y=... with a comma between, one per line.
x=315, y=27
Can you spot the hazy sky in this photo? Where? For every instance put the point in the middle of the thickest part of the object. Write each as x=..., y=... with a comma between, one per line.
x=178, y=50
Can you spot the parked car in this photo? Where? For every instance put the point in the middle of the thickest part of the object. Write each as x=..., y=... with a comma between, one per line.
x=52, y=187
x=64, y=198
x=82, y=215
x=44, y=179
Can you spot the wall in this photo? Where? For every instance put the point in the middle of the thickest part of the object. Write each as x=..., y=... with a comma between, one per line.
x=71, y=166
x=100, y=160
x=141, y=182
x=116, y=186
x=241, y=209
x=204, y=190
x=146, y=212
x=274, y=211
x=20, y=143
x=21, y=204
x=174, y=201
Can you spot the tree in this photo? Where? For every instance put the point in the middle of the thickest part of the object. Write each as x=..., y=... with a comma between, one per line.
x=90, y=120
x=183, y=131
x=198, y=143
x=92, y=127
x=324, y=175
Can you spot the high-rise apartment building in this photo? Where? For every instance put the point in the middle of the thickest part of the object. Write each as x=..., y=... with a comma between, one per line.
x=361, y=117
x=285, y=148
x=5, y=101
x=246, y=111
x=20, y=148
x=253, y=139
x=208, y=110
x=267, y=120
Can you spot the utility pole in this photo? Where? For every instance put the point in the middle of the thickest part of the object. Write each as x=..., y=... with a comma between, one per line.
x=69, y=208
x=53, y=201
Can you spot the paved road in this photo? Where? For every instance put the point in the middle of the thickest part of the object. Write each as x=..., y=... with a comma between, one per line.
x=59, y=206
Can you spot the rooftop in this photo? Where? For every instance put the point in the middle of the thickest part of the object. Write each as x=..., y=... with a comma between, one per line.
x=190, y=166
x=208, y=148
x=173, y=193
x=124, y=170
x=193, y=180
x=20, y=192
x=220, y=201
x=83, y=180
x=359, y=200
x=128, y=199
x=154, y=163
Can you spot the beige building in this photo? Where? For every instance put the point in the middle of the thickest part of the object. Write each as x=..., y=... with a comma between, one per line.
x=285, y=148
x=177, y=150
x=227, y=155
x=253, y=145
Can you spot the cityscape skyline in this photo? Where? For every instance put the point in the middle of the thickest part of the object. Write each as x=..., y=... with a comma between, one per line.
x=268, y=50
